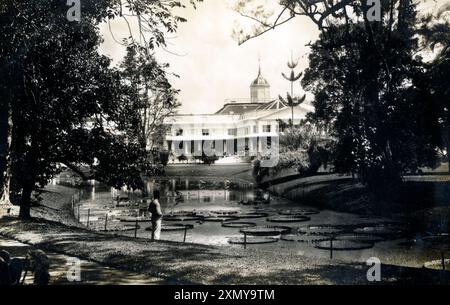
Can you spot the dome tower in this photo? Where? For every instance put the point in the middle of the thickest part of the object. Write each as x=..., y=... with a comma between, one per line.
x=259, y=89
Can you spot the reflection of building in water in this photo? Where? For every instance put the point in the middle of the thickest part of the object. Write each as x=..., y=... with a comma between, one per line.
x=209, y=191
x=238, y=128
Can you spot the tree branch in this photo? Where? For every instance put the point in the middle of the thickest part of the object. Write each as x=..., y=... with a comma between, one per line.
x=78, y=171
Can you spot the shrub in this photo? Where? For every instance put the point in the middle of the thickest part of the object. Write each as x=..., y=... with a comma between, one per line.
x=164, y=157
x=305, y=148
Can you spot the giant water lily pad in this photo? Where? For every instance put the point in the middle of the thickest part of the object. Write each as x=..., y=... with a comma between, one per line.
x=381, y=230
x=252, y=240
x=225, y=212
x=216, y=218
x=132, y=219
x=343, y=245
x=438, y=242
x=173, y=227
x=251, y=215
x=320, y=230
x=364, y=238
x=118, y=228
x=203, y=214
x=181, y=218
x=437, y=239
x=238, y=224
x=181, y=214
x=304, y=238
x=286, y=218
x=295, y=212
x=266, y=230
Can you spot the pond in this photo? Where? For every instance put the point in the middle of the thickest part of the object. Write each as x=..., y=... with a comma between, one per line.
x=215, y=211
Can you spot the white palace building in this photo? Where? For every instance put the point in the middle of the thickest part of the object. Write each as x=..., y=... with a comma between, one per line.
x=242, y=127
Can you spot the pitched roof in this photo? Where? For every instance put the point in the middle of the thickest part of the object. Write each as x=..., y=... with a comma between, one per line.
x=238, y=108
x=241, y=108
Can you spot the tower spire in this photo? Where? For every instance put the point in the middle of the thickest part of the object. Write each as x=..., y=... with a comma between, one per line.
x=259, y=64
x=260, y=88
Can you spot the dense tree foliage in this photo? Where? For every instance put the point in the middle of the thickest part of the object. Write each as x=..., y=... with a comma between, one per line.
x=62, y=103
x=378, y=97
x=304, y=148
x=151, y=98
x=380, y=112
x=434, y=32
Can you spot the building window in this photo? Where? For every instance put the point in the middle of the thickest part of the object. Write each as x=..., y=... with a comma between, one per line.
x=232, y=132
x=179, y=132
x=205, y=132
x=266, y=128
x=255, y=129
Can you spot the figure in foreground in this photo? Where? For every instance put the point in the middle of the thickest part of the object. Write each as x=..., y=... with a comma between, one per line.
x=155, y=209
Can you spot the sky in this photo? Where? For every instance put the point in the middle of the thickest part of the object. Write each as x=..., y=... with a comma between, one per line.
x=212, y=66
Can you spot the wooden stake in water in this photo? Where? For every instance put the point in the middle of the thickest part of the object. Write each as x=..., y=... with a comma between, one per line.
x=106, y=221
x=78, y=207
x=89, y=214
x=185, y=232
x=331, y=248
x=135, y=229
x=443, y=260
x=245, y=240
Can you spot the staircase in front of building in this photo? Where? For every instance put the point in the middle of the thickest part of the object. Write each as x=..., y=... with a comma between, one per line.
x=232, y=160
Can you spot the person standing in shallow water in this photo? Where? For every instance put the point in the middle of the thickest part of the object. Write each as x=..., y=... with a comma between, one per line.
x=155, y=209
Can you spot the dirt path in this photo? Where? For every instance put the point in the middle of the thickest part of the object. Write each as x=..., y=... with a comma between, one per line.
x=91, y=272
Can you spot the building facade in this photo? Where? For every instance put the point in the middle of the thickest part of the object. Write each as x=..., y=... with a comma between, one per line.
x=242, y=127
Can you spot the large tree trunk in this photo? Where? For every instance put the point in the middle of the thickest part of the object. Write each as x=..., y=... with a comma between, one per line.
x=27, y=184
x=382, y=175
x=25, y=201
x=5, y=147
x=292, y=115
x=6, y=162
x=448, y=148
